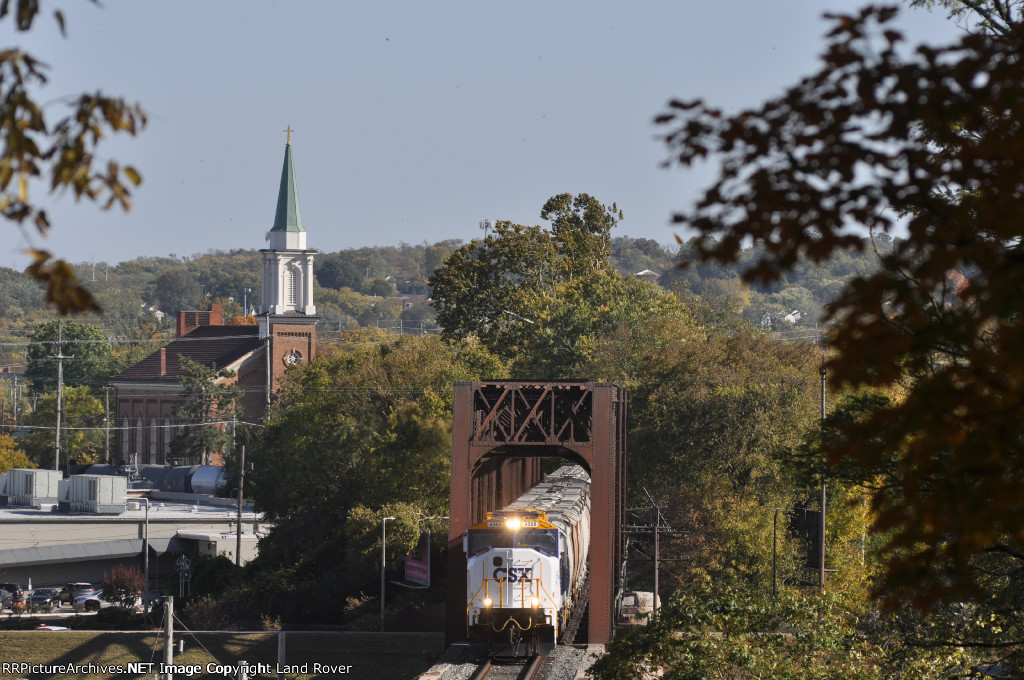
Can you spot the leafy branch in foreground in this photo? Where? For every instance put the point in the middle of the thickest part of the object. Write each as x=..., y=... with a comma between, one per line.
x=928, y=142
x=62, y=154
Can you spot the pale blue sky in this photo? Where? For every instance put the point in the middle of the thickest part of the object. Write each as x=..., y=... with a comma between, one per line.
x=413, y=121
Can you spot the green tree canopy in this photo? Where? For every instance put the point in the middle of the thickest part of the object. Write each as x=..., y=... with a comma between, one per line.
x=518, y=286
x=88, y=355
x=177, y=289
x=355, y=435
x=82, y=432
x=209, y=400
x=719, y=631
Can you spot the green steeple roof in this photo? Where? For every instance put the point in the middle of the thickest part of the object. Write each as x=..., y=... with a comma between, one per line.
x=289, y=217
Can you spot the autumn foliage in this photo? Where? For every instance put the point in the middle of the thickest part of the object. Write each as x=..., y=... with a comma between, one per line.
x=927, y=146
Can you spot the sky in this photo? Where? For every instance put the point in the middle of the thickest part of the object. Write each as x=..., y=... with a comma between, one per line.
x=413, y=121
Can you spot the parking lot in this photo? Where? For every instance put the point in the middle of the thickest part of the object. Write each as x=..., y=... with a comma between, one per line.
x=55, y=600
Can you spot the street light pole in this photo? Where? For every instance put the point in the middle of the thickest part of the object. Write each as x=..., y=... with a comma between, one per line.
x=383, y=560
x=145, y=563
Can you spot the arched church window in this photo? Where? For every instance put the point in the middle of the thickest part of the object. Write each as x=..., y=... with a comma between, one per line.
x=138, y=438
x=152, y=440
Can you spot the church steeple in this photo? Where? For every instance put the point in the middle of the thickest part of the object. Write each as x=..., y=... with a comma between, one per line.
x=287, y=264
x=288, y=219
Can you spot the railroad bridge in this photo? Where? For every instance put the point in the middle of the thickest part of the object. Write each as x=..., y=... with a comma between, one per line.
x=502, y=431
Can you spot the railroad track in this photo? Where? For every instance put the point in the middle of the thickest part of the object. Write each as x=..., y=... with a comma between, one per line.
x=507, y=669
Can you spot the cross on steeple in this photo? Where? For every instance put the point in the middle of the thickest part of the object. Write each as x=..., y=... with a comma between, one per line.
x=289, y=130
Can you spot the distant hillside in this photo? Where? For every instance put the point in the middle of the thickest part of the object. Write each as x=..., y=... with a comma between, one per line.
x=386, y=287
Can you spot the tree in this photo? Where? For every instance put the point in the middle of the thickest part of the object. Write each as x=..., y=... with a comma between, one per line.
x=62, y=154
x=339, y=270
x=570, y=324
x=708, y=425
x=357, y=433
x=82, y=433
x=209, y=399
x=18, y=291
x=718, y=631
x=495, y=288
x=87, y=350
x=996, y=17
x=122, y=586
x=380, y=288
x=930, y=141
x=11, y=457
x=582, y=229
x=177, y=289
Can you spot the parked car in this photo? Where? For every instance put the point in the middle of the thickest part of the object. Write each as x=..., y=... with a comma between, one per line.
x=68, y=592
x=89, y=601
x=18, y=600
x=44, y=599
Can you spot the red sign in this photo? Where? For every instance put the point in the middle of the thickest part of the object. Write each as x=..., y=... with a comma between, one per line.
x=417, y=562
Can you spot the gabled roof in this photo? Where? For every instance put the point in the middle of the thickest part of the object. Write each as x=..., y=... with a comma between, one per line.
x=288, y=217
x=218, y=346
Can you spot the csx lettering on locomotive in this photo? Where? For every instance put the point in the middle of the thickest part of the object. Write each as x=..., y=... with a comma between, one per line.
x=513, y=574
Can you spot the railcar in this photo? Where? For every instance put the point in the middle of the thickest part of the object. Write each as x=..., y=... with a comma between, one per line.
x=527, y=564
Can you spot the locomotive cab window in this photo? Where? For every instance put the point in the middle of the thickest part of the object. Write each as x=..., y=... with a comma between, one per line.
x=480, y=541
x=541, y=540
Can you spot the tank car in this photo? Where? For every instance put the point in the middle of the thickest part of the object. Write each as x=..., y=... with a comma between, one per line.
x=527, y=563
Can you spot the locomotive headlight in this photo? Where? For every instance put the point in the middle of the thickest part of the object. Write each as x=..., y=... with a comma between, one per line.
x=512, y=524
x=535, y=601
x=488, y=602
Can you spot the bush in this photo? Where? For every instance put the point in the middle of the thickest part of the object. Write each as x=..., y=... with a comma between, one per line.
x=114, y=615
x=206, y=613
x=122, y=586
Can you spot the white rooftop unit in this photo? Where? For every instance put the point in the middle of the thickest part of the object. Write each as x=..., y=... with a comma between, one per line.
x=33, y=488
x=101, y=494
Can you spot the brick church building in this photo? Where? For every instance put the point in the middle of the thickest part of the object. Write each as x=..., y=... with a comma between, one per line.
x=149, y=391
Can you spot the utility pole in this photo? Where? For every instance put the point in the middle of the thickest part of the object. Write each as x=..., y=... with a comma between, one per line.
x=657, y=531
x=268, y=363
x=238, y=529
x=169, y=635
x=106, y=424
x=60, y=389
x=145, y=564
x=657, y=555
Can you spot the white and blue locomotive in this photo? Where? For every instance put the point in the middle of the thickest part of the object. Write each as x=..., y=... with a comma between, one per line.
x=527, y=563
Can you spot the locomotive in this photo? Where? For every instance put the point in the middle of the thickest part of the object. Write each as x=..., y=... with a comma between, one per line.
x=527, y=563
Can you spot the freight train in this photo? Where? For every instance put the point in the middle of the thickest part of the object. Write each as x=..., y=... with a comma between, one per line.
x=527, y=564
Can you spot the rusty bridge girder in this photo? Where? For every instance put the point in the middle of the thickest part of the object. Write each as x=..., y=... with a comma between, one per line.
x=502, y=430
